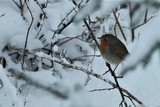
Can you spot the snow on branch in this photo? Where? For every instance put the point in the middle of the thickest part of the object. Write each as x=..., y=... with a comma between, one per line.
x=144, y=60
x=54, y=90
x=66, y=65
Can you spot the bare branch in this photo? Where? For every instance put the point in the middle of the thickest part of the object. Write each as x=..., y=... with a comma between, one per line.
x=133, y=11
x=117, y=84
x=131, y=20
x=16, y=4
x=143, y=22
x=28, y=31
x=119, y=26
x=93, y=36
x=130, y=100
x=21, y=7
x=145, y=17
x=103, y=89
x=44, y=13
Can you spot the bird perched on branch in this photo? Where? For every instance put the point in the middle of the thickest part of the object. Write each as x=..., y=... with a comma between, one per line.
x=112, y=49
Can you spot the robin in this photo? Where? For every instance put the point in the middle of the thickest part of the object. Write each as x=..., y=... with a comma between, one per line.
x=112, y=49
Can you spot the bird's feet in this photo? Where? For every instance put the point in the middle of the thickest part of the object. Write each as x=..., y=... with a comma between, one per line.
x=109, y=68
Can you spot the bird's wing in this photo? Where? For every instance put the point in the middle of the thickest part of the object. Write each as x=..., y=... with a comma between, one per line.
x=118, y=50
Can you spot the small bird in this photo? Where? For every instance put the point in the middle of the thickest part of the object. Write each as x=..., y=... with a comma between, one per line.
x=112, y=49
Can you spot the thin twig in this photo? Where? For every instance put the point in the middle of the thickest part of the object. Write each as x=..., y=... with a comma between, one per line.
x=68, y=39
x=103, y=89
x=93, y=36
x=131, y=21
x=25, y=99
x=130, y=100
x=41, y=8
x=16, y=4
x=86, y=56
x=119, y=26
x=117, y=83
x=143, y=22
x=21, y=7
x=146, y=14
x=58, y=31
x=1, y=84
x=62, y=22
x=64, y=25
x=115, y=31
x=2, y=15
x=28, y=31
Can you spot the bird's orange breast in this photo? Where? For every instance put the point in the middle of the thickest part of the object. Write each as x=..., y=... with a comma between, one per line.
x=103, y=46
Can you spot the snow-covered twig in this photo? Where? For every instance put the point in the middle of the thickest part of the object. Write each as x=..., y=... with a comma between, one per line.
x=77, y=68
x=41, y=8
x=58, y=31
x=63, y=25
x=98, y=77
x=42, y=16
x=49, y=88
x=65, y=21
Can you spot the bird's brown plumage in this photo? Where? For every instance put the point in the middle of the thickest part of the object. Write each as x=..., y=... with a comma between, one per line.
x=112, y=49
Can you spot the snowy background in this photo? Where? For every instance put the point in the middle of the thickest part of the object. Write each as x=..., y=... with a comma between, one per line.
x=47, y=51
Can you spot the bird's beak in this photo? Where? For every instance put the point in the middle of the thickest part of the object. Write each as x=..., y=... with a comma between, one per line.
x=98, y=37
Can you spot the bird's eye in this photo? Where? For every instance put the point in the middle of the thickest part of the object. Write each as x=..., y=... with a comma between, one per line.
x=105, y=39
